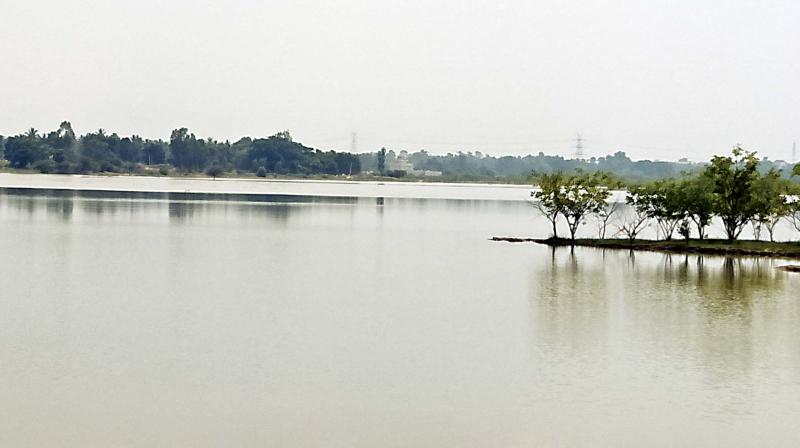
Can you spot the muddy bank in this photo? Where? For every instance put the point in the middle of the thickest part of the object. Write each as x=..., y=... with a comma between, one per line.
x=709, y=247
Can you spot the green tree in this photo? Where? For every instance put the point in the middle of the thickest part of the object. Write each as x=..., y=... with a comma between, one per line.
x=582, y=197
x=548, y=198
x=685, y=230
x=130, y=149
x=187, y=153
x=154, y=152
x=97, y=152
x=639, y=211
x=769, y=204
x=26, y=149
x=382, y=161
x=665, y=206
x=697, y=202
x=732, y=179
x=573, y=197
x=214, y=171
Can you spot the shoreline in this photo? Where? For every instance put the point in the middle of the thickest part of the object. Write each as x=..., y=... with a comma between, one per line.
x=750, y=248
x=266, y=187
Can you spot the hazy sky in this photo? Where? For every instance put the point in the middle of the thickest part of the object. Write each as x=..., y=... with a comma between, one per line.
x=658, y=79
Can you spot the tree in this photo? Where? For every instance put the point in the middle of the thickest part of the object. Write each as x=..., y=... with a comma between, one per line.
x=186, y=151
x=732, y=179
x=664, y=206
x=796, y=170
x=214, y=171
x=697, y=202
x=97, y=152
x=24, y=150
x=638, y=214
x=769, y=204
x=130, y=149
x=548, y=198
x=382, y=161
x=573, y=197
x=685, y=230
x=154, y=153
x=604, y=216
x=63, y=137
x=581, y=197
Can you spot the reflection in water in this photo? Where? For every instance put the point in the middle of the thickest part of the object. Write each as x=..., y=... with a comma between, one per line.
x=61, y=207
x=180, y=211
x=571, y=304
x=713, y=315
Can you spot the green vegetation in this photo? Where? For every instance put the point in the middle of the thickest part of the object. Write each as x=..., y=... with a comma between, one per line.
x=735, y=189
x=573, y=197
x=61, y=151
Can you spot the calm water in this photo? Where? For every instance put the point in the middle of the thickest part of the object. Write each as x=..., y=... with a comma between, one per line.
x=167, y=320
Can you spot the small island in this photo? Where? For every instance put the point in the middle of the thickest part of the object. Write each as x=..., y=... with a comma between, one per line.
x=736, y=192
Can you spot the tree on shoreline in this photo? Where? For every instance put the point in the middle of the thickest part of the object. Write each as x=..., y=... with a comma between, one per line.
x=770, y=204
x=604, y=216
x=733, y=179
x=697, y=202
x=61, y=151
x=639, y=213
x=581, y=198
x=382, y=161
x=573, y=197
x=664, y=205
x=731, y=188
x=548, y=198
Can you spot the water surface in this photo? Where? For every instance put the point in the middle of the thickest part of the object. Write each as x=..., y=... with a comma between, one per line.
x=169, y=320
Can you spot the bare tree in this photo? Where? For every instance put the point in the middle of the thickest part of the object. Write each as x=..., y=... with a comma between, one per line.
x=636, y=220
x=633, y=224
x=551, y=214
x=604, y=216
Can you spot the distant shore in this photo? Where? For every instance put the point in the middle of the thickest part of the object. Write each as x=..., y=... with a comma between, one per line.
x=333, y=187
x=693, y=246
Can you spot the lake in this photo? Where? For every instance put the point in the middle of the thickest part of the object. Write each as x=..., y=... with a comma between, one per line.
x=303, y=319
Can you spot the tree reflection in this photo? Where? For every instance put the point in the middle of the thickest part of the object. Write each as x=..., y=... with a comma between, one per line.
x=700, y=312
x=570, y=303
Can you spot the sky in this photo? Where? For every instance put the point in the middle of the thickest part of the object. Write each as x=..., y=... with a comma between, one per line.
x=656, y=79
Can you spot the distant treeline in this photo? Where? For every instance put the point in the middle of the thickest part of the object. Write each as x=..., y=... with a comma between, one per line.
x=61, y=151
x=478, y=166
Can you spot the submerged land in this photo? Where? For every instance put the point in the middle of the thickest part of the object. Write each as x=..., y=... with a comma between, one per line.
x=692, y=246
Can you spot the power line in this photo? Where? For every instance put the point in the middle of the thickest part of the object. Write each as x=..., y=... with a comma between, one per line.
x=579, y=146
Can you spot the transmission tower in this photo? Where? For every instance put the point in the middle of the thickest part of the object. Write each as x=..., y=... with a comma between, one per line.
x=579, y=146
x=353, y=142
